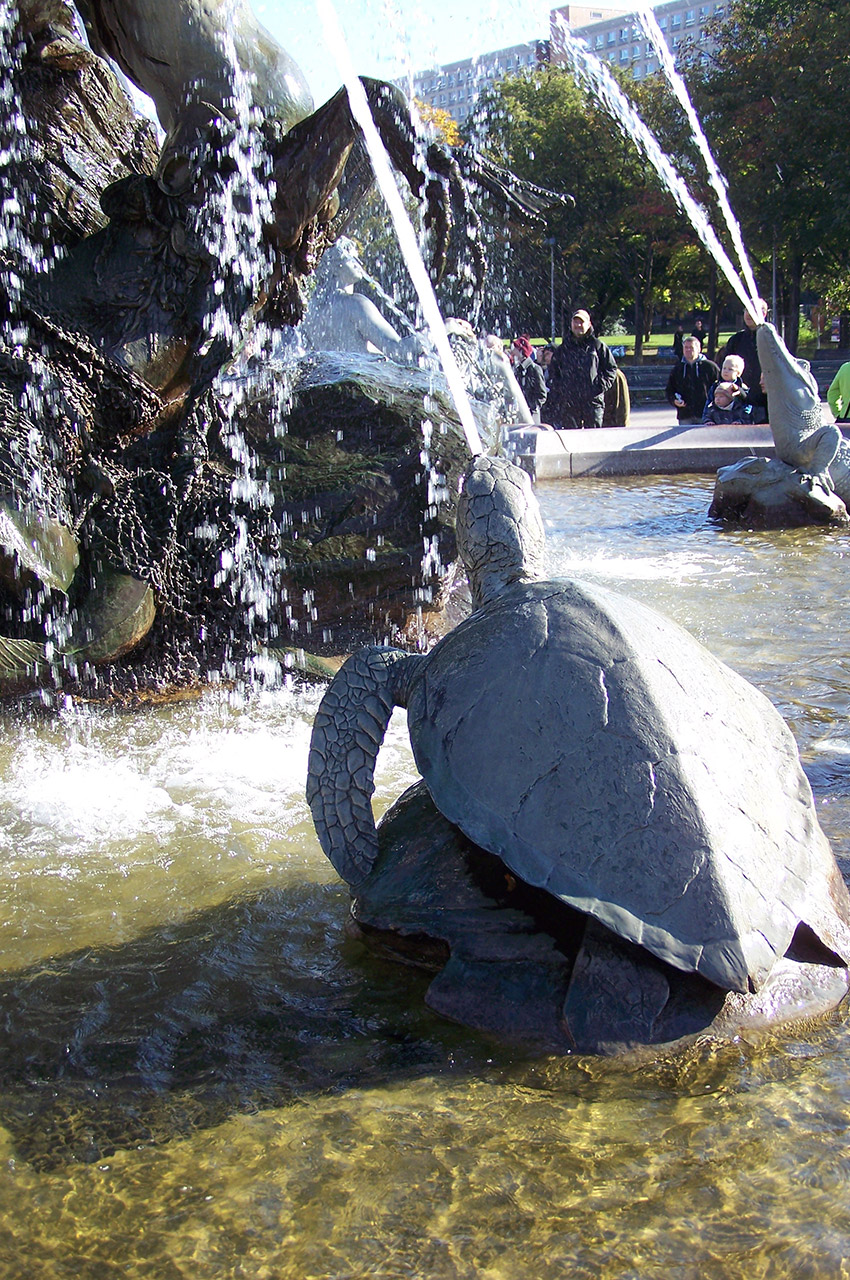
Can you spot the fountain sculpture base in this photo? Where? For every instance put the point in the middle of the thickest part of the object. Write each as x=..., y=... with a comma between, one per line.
x=511, y=961
x=765, y=493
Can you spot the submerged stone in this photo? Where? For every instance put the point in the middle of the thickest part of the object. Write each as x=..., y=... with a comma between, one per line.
x=765, y=493
x=513, y=962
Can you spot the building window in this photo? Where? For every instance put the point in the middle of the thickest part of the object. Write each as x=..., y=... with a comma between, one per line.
x=624, y=55
x=650, y=66
x=600, y=40
x=676, y=20
x=612, y=36
x=703, y=12
x=689, y=18
x=662, y=22
x=637, y=73
x=636, y=52
x=624, y=35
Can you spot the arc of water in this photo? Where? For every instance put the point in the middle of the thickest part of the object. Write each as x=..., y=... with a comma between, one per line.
x=653, y=33
x=403, y=226
x=593, y=73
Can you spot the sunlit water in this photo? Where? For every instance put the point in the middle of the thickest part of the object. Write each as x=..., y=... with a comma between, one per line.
x=203, y=1077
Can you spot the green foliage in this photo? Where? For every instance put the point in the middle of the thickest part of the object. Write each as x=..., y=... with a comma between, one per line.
x=774, y=102
x=613, y=244
x=807, y=336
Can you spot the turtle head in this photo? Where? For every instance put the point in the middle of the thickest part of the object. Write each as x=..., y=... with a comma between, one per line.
x=500, y=534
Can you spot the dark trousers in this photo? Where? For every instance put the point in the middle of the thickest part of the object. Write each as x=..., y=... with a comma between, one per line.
x=576, y=417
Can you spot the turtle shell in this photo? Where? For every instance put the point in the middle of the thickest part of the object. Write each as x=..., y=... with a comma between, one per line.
x=608, y=757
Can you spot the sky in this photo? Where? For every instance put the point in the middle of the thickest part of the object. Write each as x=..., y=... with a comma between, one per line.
x=386, y=38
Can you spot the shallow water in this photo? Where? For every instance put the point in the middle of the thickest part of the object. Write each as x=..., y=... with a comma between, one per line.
x=203, y=1077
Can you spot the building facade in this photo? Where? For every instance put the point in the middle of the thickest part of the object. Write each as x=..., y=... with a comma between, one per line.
x=618, y=39
x=614, y=35
x=457, y=86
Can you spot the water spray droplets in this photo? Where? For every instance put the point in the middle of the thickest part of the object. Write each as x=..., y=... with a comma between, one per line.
x=653, y=33
x=403, y=227
x=597, y=79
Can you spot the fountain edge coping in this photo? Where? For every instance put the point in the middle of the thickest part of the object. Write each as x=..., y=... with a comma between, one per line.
x=622, y=451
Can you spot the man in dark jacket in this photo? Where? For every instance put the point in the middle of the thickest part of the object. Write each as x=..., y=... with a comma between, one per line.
x=529, y=375
x=581, y=372
x=689, y=382
x=743, y=344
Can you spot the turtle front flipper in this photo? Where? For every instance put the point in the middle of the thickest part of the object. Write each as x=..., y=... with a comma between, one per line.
x=347, y=733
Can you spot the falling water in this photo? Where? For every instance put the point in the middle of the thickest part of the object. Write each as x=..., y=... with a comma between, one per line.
x=653, y=33
x=230, y=223
x=24, y=253
x=403, y=227
x=596, y=77
x=11, y=148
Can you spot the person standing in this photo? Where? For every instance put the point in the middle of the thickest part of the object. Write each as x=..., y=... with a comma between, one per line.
x=529, y=375
x=546, y=355
x=618, y=403
x=743, y=343
x=838, y=395
x=689, y=382
x=582, y=370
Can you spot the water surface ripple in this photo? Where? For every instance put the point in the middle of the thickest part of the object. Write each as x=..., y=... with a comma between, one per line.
x=203, y=1077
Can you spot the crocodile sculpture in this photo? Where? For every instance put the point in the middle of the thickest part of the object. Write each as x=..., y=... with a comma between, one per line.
x=808, y=481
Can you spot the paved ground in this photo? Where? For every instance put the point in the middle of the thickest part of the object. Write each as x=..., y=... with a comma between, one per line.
x=653, y=443
x=651, y=416
x=662, y=414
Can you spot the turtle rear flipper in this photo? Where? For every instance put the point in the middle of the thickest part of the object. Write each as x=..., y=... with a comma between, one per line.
x=617, y=993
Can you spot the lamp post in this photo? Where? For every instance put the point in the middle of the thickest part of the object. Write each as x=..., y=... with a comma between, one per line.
x=551, y=241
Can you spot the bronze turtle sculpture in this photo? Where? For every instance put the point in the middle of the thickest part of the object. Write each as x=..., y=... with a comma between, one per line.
x=601, y=753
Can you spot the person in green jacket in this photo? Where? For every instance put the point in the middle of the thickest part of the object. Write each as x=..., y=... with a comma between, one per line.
x=838, y=396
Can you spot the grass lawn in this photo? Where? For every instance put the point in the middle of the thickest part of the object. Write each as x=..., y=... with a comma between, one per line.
x=657, y=341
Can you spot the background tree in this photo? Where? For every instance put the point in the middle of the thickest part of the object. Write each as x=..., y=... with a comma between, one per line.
x=614, y=246
x=773, y=98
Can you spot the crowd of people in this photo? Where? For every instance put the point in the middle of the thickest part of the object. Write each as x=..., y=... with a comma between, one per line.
x=577, y=384
x=699, y=391
x=702, y=392
x=577, y=381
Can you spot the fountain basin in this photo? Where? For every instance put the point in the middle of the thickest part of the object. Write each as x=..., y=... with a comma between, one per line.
x=636, y=451
x=190, y=1035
